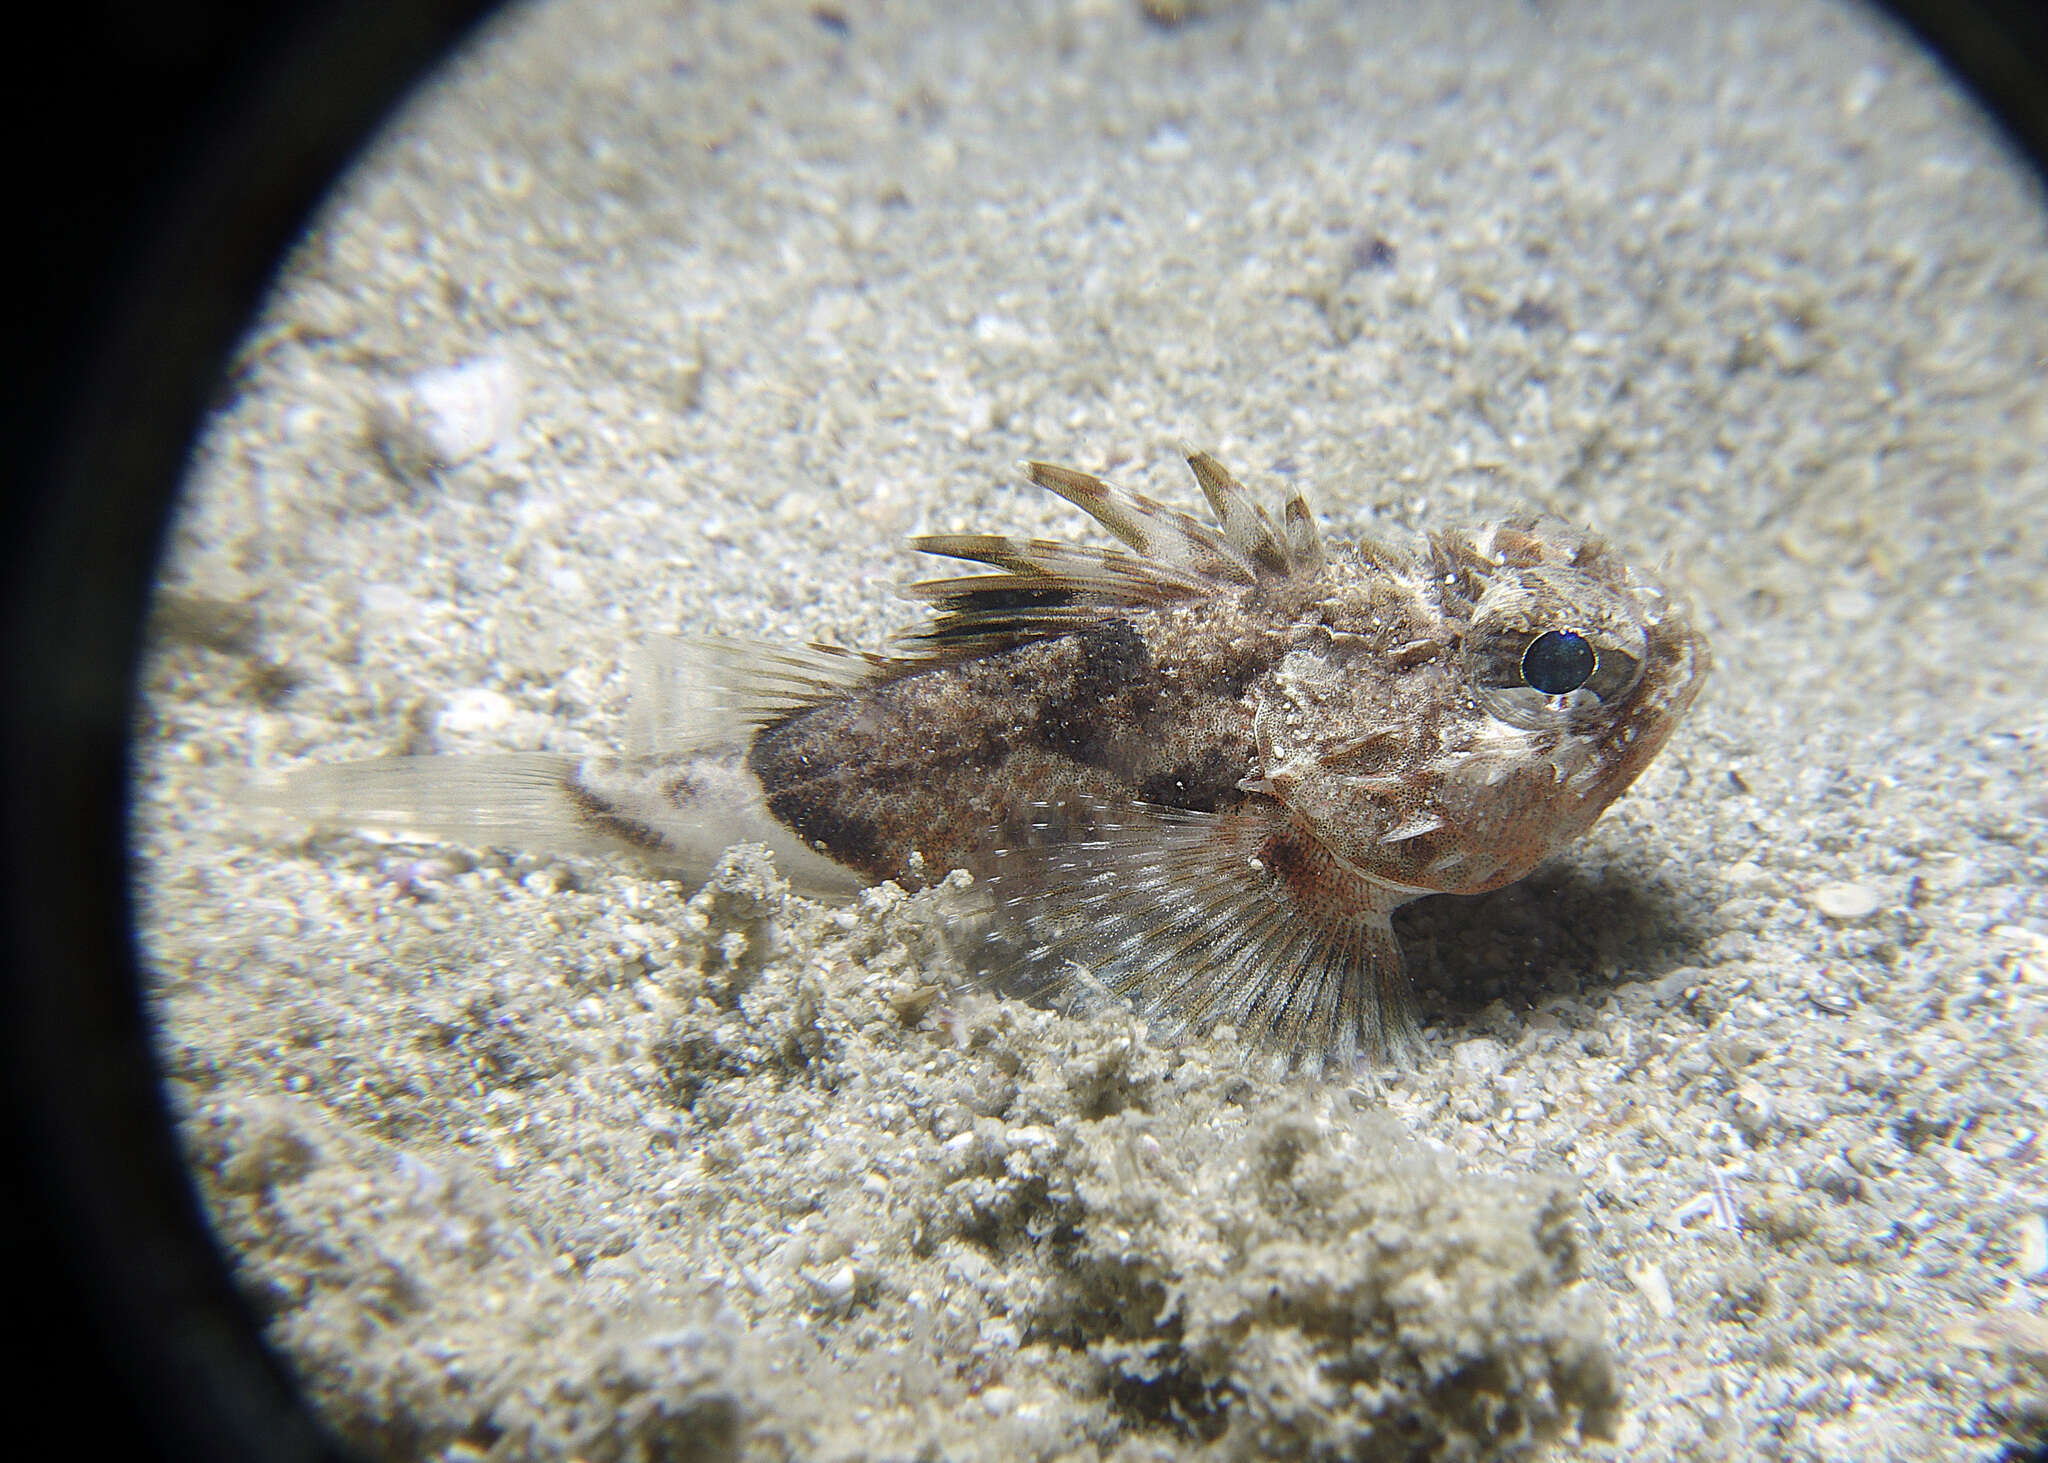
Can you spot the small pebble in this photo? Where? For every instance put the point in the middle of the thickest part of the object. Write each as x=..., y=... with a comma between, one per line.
x=1845, y=901
x=1479, y=1058
x=1744, y=873
x=477, y=709
x=2032, y=1233
x=1168, y=144
x=387, y=602
x=1849, y=606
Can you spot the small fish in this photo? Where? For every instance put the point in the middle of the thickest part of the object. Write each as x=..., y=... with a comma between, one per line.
x=1199, y=771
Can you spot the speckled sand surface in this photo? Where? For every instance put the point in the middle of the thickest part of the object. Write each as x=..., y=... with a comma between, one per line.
x=1729, y=1136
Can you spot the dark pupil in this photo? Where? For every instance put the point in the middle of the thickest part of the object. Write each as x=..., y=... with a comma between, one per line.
x=1557, y=661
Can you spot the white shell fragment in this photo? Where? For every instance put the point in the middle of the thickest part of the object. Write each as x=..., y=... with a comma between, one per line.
x=834, y=1288
x=461, y=411
x=1649, y=1280
x=1845, y=901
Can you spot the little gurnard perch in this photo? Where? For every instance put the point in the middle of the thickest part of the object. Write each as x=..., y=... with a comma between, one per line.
x=1198, y=772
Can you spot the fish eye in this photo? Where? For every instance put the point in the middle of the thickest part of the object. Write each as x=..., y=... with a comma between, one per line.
x=1558, y=662
x=1552, y=646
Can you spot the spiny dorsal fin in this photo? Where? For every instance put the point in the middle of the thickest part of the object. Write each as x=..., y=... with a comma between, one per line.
x=1157, y=532
x=1244, y=522
x=1295, y=549
x=1304, y=540
x=1096, y=576
x=1048, y=588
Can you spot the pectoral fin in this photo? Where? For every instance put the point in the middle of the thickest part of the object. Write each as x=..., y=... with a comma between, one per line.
x=1208, y=919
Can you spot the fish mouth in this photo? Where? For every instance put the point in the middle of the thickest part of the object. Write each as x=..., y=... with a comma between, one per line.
x=1699, y=663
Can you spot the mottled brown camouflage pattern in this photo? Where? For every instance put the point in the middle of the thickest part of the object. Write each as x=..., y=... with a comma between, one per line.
x=1353, y=723
x=1197, y=771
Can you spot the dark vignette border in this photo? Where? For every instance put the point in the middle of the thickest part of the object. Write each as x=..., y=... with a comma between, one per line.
x=164, y=158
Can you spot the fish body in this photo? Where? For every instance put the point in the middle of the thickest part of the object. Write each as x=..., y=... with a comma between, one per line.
x=1198, y=771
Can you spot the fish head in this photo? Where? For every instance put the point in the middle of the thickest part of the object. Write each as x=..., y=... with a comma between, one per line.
x=1538, y=677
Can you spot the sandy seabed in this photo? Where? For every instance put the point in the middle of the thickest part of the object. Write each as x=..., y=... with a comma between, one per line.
x=1726, y=1141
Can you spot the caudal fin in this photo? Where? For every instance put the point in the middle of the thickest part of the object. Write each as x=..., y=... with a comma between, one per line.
x=513, y=800
x=675, y=815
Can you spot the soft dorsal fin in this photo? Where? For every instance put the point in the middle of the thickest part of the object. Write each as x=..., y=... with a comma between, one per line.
x=1048, y=588
x=693, y=692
